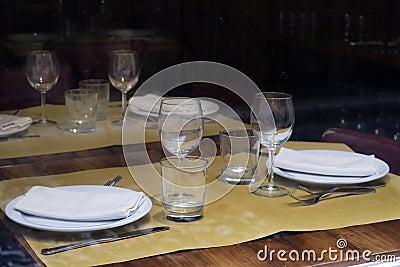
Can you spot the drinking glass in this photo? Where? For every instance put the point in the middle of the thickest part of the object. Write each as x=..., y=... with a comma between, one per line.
x=42, y=71
x=123, y=72
x=81, y=106
x=180, y=125
x=103, y=95
x=183, y=188
x=239, y=151
x=281, y=106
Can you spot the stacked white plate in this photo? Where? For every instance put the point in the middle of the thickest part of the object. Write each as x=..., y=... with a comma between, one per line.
x=319, y=176
x=60, y=225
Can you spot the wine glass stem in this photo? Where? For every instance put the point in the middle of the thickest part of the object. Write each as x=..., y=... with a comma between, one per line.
x=43, y=104
x=123, y=104
x=270, y=167
x=180, y=178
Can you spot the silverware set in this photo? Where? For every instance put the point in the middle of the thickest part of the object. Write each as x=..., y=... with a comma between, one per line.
x=312, y=198
x=346, y=190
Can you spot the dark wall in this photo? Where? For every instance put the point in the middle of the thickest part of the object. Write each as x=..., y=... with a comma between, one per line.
x=339, y=58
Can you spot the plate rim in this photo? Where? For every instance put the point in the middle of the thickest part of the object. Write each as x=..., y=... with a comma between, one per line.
x=10, y=213
x=343, y=179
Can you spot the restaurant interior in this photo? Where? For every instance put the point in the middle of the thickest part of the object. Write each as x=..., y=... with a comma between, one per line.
x=339, y=59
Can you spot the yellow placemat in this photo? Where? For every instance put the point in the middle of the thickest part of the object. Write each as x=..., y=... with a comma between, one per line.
x=237, y=217
x=53, y=140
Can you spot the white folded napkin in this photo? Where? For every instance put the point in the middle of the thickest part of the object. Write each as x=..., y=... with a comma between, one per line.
x=146, y=102
x=8, y=122
x=341, y=165
x=58, y=203
x=152, y=103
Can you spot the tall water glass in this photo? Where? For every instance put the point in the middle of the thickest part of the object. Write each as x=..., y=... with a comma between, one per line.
x=102, y=88
x=281, y=106
x=123, y=72
x=180, y=124
x=42, y=72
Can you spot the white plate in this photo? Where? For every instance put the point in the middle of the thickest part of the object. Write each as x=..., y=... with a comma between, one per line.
x=208, y=108
x=381, y=166
x=13, y=130
x=75, y=226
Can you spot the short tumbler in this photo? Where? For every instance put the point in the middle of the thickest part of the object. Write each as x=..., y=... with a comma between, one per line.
x=81, y=106
x=103, y=95
x=239, y=151
x=183, y=187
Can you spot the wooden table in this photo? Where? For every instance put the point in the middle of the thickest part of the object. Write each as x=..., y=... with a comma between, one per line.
x=383, y=239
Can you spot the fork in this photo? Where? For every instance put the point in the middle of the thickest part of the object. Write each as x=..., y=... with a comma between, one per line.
x=15, y=112
x=344, y=187
x=317, y=197
x=112, y=182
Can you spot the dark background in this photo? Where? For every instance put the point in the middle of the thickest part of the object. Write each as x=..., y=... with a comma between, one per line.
x=338, y=58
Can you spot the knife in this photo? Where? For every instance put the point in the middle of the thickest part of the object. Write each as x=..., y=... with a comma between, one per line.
x=53, y=250
x=18, y=137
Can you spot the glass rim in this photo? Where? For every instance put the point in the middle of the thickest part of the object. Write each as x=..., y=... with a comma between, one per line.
x=274, y=95
x=170, y=165
x=123, y=51
x=41, y=51
x=93, y=81
x=79, y=91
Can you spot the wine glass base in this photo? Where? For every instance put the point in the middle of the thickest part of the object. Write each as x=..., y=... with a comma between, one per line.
x=271, y=191
x=118, y=122
x=44, y=123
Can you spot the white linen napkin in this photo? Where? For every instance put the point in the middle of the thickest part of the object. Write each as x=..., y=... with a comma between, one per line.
x=152, y=103
x=341, y=165
x=146, y=102
x=58, y=203
x=8, y=122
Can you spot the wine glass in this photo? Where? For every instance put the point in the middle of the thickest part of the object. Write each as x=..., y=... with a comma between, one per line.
x=42, y=71
x=270, y=136
x=123, y=72
x=180, y=125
